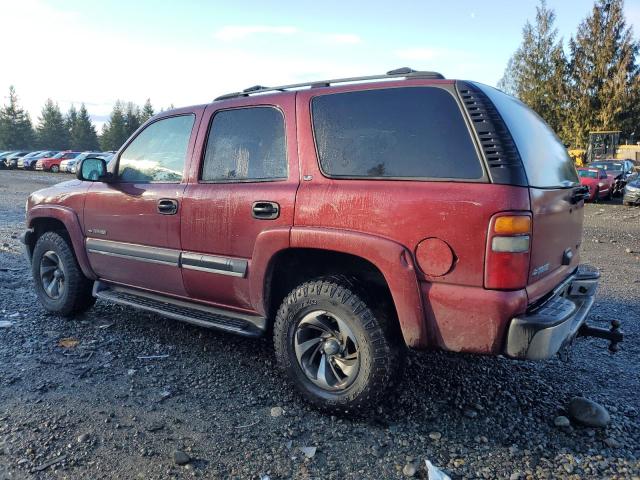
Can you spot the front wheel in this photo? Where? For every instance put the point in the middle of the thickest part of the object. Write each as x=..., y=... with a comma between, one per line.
x=60, y=284
x=339, y=353
x=55, y=168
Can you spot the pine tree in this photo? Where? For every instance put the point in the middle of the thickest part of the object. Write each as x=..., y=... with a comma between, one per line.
x=537, y=71
x=604, y=73
x=71, y=119
x=51, y=131
x=16, y=130
x=132, y=118
x=147, y=111
x=114, y=132
x=83, y=133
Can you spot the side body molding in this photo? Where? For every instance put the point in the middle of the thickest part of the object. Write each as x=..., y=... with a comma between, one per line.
x=71, y=222
x=394, y=262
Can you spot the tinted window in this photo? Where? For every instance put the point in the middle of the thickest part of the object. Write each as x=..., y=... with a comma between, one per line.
x=158, y=153
x=545, y=158
x=246, y=144
x=415, y=132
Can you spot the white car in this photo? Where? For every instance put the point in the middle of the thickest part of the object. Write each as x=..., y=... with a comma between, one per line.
x=69, y=166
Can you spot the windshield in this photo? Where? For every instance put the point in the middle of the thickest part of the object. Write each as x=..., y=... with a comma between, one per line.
x=588, y=173
x=544, y=157
x=608, y=165
x=58, y=155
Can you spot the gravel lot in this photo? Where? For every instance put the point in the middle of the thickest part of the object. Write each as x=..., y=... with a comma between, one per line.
x=98, y=410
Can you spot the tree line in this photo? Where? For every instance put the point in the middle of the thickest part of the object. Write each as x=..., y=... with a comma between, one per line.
x=72, y=130
x=594, y=85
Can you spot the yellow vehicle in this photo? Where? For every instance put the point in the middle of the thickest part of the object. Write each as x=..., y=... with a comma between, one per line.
x=578, y=155
x=631, y=152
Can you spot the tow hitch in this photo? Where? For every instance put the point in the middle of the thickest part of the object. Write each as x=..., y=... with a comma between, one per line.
x=614, y=334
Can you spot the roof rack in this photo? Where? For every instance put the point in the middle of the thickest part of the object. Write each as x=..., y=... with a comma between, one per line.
x=404, y=72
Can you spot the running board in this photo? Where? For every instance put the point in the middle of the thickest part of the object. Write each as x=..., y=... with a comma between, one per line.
x=190, y=312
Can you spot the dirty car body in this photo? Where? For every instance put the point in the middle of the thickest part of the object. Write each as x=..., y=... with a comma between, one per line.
x=447, y=204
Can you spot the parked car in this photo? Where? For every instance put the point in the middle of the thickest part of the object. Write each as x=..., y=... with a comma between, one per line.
x=53, y=163
x=600, y=185
x=28, y=162
x=3, y=158
x=351, y=220
x=632, y=193
x=621, y=171
x=66, y=165
x=107, y=157
x=11, y=161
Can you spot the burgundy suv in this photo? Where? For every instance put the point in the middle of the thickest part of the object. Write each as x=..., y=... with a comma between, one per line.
x=351, y=218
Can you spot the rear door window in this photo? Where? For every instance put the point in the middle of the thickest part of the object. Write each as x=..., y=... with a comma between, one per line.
x=545, y=158
x=244, y=145
x=403, y=133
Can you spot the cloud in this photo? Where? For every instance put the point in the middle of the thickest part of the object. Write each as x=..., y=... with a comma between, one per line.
x=231, y=33
x=342, y=38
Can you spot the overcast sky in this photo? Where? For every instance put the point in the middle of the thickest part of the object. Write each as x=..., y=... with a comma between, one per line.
x=190, y=51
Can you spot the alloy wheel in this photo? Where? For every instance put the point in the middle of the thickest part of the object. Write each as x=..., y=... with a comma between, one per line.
x=327, y=350
x=52, y=275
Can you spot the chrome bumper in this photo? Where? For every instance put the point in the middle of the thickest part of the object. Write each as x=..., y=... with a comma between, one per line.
x=542, y=331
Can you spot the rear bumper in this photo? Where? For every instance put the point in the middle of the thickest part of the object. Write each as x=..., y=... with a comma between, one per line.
x=542, y=331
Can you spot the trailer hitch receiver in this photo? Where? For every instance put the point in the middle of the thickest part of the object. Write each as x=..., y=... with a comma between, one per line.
x=614, y=334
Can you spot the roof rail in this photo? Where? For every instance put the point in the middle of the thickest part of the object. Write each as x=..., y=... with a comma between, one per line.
x=404, y=72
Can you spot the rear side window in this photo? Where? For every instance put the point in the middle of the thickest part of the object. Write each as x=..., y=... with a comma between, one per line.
x=545, y=158
x=246, y=144
x=410, y=132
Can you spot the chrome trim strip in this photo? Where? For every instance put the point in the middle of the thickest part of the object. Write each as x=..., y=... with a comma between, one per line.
x=213, y=264
x=144, y=253
x=165, y=256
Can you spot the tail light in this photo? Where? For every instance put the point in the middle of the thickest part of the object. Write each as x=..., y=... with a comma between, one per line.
x=508, y=251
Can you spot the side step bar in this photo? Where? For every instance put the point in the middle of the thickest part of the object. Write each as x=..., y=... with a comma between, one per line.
x=190, y=312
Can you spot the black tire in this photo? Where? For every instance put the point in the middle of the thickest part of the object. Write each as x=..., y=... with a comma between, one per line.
x=74, y=290
x=379, y=345
x=55, y=168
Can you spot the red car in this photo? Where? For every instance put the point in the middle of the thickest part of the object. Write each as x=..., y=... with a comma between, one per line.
x=52, y=164
x=600, y=184
x=351, y=219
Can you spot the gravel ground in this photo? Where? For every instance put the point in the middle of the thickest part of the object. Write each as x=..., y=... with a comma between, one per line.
x=98, y=410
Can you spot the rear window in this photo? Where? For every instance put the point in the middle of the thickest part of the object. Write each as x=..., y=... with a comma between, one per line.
x=588, y=173
x=409, y=132
x=608, y=165
x=545, y=158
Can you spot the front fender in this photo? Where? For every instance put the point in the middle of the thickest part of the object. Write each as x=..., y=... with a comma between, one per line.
x=394, y=262
x=71, y=222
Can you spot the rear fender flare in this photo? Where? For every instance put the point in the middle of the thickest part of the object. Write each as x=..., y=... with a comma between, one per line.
x=393, y=260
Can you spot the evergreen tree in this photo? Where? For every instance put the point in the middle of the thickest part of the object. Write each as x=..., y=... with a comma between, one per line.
x=604, y=74
x=71, y=119
x=537, y=71
x=83, y=133
x=114, y=132
x=132, y=118
x=16, y=130
x=52, y=130
x=147, y=111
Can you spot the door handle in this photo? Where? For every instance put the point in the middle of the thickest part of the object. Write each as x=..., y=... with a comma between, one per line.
x=265, y=210
x=167, y=206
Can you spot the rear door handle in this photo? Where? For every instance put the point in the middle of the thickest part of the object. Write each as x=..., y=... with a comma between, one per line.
x=265, y=210
x=167, y=206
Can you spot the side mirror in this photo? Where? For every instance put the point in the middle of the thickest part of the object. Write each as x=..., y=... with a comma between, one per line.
x=92, y=169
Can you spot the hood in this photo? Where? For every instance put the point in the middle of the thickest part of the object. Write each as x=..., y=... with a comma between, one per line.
x=69, y=193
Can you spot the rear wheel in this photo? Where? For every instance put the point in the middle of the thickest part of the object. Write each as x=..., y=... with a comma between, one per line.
x=60, y=284
x=339, y=353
